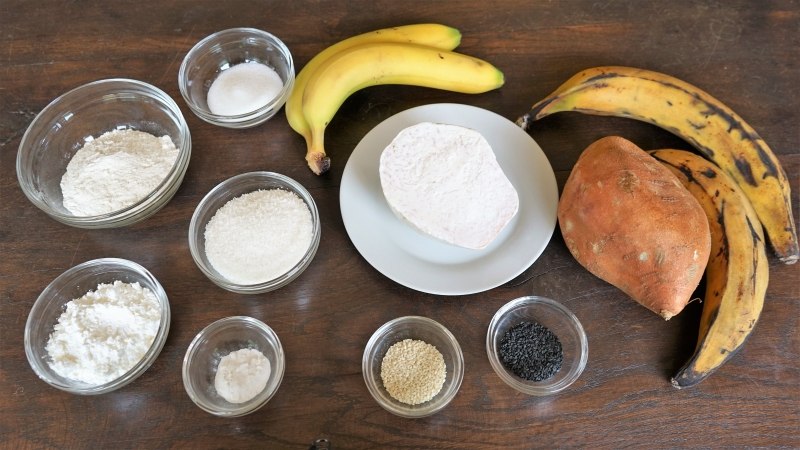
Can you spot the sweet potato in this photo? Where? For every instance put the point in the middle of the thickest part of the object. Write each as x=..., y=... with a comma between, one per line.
x=630, y=222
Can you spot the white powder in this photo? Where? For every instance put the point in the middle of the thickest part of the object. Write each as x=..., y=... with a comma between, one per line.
x=242, y=375
x=103, y=334
x=243, y=88
x=258, y=236
x=116, y=170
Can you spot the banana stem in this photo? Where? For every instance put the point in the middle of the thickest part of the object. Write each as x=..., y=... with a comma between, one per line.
x=316, y=158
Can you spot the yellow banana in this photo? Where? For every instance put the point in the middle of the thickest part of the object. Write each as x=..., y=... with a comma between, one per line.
x=430, y=34
x=737, y=273
x=385, y=63
x=713, y=128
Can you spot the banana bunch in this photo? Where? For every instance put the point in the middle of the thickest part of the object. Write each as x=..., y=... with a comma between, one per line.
x=419, y=55
x=737, y=272
x=710, y=126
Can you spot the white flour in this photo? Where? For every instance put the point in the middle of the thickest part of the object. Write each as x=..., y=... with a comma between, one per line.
x=242, y=375
x=116, y=170
x=103, y=334
x=258, y=236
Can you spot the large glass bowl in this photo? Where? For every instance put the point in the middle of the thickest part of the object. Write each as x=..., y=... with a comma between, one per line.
x=86, y=112
x=73, y=284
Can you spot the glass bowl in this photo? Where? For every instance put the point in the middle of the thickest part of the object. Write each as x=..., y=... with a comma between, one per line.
x=223, y=50
x=212, y=344
x=73, y=284
x=557, y=319
x=86, y=112
x=235, y=187
x=420, y=328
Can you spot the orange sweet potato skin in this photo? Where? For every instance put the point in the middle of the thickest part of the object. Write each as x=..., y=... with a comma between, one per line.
x=630, y=222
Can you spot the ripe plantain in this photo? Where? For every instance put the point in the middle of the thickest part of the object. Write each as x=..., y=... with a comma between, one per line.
x=385, y=63
x=430, y=34
x=713, y=128
x=737, y=273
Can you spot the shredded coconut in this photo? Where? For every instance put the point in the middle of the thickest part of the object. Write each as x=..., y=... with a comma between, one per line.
x=116, y=170
x=242, y=375
x=258, y=236
x=103, y=334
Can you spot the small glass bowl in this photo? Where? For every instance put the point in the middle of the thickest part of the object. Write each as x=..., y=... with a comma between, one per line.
x=558, y=319
x=73, y=284
x=424, y=329
x=216, y=341
x=228, y=190
x=223, y=50
x=64, y=126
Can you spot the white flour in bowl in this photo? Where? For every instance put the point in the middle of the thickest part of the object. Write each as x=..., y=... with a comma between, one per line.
x=116, y=170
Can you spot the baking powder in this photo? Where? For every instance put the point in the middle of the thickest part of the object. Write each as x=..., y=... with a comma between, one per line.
x=258, y=236
x=103, y=334
x=116, y=170
x=242, y=375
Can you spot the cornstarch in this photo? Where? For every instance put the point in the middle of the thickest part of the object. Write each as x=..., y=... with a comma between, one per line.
x=116, y=170
x=258, y=236
x=103, y=334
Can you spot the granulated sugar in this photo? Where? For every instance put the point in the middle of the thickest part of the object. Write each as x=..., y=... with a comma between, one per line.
x=243, y=88
x=258, y=236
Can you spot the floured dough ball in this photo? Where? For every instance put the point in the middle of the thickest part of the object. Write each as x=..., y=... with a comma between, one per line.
x=445, y=181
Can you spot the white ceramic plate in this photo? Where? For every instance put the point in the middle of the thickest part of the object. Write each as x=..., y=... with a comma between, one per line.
x=427, y=264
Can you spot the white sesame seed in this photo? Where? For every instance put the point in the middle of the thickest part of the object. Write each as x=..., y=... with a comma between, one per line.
x=413, y=371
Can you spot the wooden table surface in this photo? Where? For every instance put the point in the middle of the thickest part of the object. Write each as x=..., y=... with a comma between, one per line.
x=744, y=53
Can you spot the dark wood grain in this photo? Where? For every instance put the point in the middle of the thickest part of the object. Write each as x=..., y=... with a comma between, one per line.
x=745, y=53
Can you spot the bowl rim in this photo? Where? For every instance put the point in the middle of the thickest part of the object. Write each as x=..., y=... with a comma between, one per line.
x=542, y=388
x=195, y=234
x=137, y=211
x=413, y=412
x=244, y=120
x=43, y=300
x=277, y=371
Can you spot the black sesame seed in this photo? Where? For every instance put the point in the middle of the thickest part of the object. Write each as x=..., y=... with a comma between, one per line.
x=531, y=351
